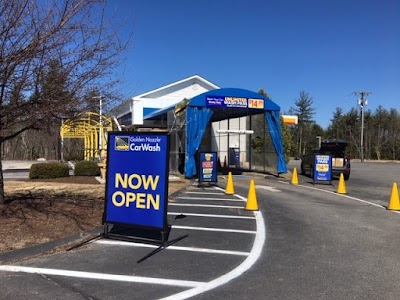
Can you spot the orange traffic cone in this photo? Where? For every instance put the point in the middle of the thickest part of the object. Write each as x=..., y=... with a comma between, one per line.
x=394, y=203
x=295, y=180
x=251, y=203
x=342, y=187
x=229, y=190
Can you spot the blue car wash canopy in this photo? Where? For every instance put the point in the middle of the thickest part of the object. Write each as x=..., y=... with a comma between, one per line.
x=226, y=103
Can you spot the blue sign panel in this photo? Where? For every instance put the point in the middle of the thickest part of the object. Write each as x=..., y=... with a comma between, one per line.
x=137, y=179
x=323, y=167
x=208, y=167
x=237, y=102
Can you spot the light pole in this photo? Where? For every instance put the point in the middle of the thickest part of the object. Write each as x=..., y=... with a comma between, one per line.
x=62, y=141
x=362, y=102
x=100, y=123
x=319, y=141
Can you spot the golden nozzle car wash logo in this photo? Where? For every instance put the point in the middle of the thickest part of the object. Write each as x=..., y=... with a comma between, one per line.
x=121, y=143
x=208, y=156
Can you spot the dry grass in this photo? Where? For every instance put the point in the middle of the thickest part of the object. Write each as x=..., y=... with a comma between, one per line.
x=41, y=211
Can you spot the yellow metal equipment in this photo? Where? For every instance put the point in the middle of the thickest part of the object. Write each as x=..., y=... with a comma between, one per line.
x=92, y=128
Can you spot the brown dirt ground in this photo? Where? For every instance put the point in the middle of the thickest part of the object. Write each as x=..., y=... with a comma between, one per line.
x=38, y=211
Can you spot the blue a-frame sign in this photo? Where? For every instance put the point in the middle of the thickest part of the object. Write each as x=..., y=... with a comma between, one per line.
x=322, y=168
x=137, y=179
x=208, y=167
x=137, y=188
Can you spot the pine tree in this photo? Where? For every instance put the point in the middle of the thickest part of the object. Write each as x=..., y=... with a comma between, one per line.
x=305, y=113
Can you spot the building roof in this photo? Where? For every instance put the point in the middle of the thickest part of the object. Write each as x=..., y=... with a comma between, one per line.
x=195, y=79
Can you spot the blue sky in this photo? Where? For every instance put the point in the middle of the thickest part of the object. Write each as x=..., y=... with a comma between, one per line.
x=327, y=48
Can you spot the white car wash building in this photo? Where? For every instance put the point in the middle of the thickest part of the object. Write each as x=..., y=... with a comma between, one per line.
x=243, y=127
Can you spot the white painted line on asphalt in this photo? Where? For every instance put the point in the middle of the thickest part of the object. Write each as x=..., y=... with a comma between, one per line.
x=212, y=216
x=209, y=199
x=342, y=195
x=243, y=267
x=196, y=287
x=214, y=229
x=268, y=188
x=203, y=205
x=102, y=276
x=179, y=248
x=205, y=193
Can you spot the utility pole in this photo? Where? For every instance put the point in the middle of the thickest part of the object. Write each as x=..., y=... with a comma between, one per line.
x=362, y=102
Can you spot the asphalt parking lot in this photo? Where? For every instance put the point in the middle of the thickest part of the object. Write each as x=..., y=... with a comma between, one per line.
x=224, y=240
x=310, y=242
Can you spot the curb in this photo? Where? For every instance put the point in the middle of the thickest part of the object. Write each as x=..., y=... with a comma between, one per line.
x=15, y=170
x=39, y=249
x=28, y=252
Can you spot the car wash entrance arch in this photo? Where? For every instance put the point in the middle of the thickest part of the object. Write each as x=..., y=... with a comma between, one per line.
x=226, y=104
x=92, y=128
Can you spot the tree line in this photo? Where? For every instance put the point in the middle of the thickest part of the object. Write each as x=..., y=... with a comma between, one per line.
x=381, y=130
x=381, y=136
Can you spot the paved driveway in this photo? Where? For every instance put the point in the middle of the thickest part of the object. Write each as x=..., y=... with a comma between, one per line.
x=224, y=240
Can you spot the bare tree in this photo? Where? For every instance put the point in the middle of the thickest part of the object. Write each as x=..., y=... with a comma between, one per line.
x=35, y=34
